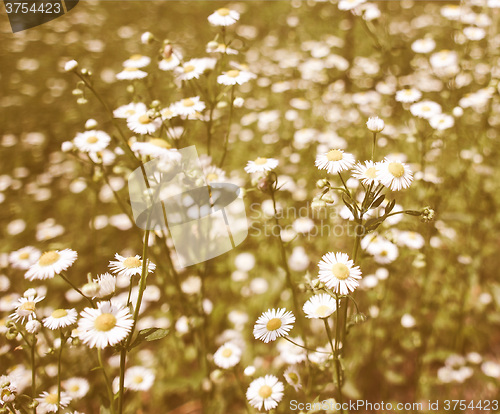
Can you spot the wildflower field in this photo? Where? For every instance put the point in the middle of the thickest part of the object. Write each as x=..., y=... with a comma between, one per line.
x=359, y=272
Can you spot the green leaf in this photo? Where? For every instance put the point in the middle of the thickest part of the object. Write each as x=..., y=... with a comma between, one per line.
x=148, y=335
x=390, y=206
x=378, y=201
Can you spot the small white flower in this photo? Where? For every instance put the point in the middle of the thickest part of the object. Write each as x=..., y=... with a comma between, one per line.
x=129, y=266
x=76, y=387
x=366, y=173
x=261, y=165
x=156, y=147
x=227, y=356
x=139, y=378
x=293, y=378
x=408, y=95
x=131, y=73
x=224, y=17
x=126, y=111
x=189, y=106
x=107, y=325
x=338, y=273
x=423, y=45
x=142, y=123
x=33, y=326
x=273, y=324
x=24, y=257
x=50, y=403
x=51, y=263
x=70, y=65
x=441, y=122
x=147, y=38
x=137, y=61
x=235, y=77
x=60, y=318
x=92, y=141
x=335, y=161
x=106, y=285
x=169, y=63
x=265, y=392
x=25, y=308
x=394, y=174
x=375, y=124
x=349, y=4
x=443, y=59
x=192, y=69
x=320, y=306
x=425, y=109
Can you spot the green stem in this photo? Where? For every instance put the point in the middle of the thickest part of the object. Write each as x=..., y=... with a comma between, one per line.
x=373, y=146
x=33, y=369
x=69, y=282
x=106, y=379
x=336, y=378
x=226, y=141
x=286, y=338
x=59, y=360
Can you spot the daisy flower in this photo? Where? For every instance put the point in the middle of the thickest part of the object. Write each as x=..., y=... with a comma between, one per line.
x=338, y=273
x=192, y=69
x=60, y=318
x=137, y=61
x=293, y=378
x=408, y=95
x=214, y=174
x=107, y=285
x=51, y=263
x=109, y=324
x=131, y=73
x=349, y=4
x=25, y=308
x=141, y=123
x=273, y=324
x=366, y=173
x=375, y=124
x=387, y=253
x=76, y=387
x=394, y=174
x=441, y=122
x=423, y=45
x=261, y=165
x=130, y=109
x=443, y=59
x=189, y=106
x=320, y=306
x=335, y=161
x=50, y=403
x=92, y=141
x=155, y=147
x=129, y=266
x=139, y=378
x=265, y=392
x=425, y=109
x=235, y=77
x=224, y=17
x=220, y=48
x=24, y=257
x=169, y=63
x=227, y=356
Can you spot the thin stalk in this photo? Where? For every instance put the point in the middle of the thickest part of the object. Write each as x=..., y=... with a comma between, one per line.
x=336, y=378
x=59, y=360
x=33, y=369
x=106, y=379
x=373, y=145
x=69, y=282
x=226, y=141
x=286, y=338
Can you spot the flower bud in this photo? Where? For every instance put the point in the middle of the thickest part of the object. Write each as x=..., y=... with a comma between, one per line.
x=90, y=289
x=322, y=183
x=29, y=292
x=70, y=65
x=375, y=124
x=90, y=124
x=147, y=38
x=33, y=326
x=238, y=102
x=167, y=51
x=359, y=318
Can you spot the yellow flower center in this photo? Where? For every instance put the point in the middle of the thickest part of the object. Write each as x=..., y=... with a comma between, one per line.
x=265, y=391
x=340, y=271
x=187, y=102
x=130, y=69
x=160, y=143
x=51, y=399
x=59, y=313
x=188, y=68
x=92, y=139
x=138, y=379
x=223, y=12
x=334, y=155
x=371, y=172
x=426, y=108
x=131, y=262
x=48, y=258
x=292, y=376
x=323, y=311
x=24, y=256
x=396, y=169
x=105, y=322
x=408, y=92
x=212, y=177
x=135, y=57
x=260, y=161
x=233, y=73
x=273, y=324
x=28, y=306
x=144, y=119
x=75, y=388
x=227, y=353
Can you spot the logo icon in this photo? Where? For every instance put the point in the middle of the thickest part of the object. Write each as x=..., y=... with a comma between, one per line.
x=25, y=14
x=204, y=220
